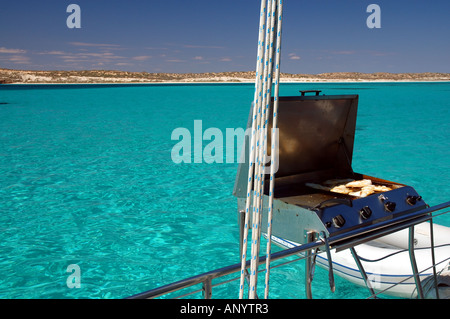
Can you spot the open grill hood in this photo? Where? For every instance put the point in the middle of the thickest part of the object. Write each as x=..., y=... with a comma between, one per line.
x=316, y=133
x=316, y=138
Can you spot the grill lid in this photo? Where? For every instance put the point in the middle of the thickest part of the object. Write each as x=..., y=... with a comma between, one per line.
x=316, y=133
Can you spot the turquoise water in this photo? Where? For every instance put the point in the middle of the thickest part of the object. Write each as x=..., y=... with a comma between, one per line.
x=86, y=178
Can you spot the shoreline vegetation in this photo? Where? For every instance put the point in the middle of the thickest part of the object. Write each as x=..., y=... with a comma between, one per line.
x=8, y=76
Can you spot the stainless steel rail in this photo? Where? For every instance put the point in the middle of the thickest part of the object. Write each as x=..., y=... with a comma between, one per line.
x=206, y=278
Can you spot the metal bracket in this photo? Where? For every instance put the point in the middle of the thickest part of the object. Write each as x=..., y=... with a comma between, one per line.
x=311, y=236
x=330, y=262
x=362, y=271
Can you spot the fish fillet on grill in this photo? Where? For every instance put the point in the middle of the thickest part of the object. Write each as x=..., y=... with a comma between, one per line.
x=359, y=184
x=382, y=188
x=364, y=192
x=341, y=189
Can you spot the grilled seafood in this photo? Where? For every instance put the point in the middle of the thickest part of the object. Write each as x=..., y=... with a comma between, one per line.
x=364, y=192
x=360, y=188
x=359, y=184
x=341, y=189
x=382, y=188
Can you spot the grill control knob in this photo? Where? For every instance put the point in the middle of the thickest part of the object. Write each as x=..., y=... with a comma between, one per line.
x=365, y=212
x=390, y=206
x=412, y=200
x=338, y=221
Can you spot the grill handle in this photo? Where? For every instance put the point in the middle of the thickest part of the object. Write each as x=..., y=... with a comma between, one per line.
x=310, y=91
x=344, y=201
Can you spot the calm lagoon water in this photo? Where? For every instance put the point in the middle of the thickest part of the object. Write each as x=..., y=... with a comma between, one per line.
x=86, y=178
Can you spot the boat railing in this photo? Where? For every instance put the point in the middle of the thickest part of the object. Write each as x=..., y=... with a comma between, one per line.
x=206, y=278
x=301, y=252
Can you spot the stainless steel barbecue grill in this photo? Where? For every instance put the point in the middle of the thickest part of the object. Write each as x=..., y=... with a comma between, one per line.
x=312, y=193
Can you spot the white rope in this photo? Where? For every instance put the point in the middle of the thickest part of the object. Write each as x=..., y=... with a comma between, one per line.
x=274, y=146
x=258, y=144
x=256, y=101
x=261, y=151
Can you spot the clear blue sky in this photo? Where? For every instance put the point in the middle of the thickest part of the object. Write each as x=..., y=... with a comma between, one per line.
x=213, y=36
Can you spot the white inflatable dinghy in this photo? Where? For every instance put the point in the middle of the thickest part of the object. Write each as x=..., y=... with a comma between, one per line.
x=387, y=263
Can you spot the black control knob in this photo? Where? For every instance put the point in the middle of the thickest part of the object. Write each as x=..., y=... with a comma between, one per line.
x=338, y=221
x=365, y=212
x=390, y=206
x=412, y=200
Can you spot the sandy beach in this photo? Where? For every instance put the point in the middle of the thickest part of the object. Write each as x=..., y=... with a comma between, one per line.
x=8, y=76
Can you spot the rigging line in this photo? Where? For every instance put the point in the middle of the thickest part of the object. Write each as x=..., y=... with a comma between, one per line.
x=259, y=168
x=258, y=79
x=279, y=12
